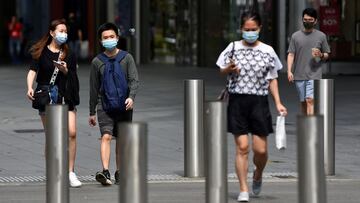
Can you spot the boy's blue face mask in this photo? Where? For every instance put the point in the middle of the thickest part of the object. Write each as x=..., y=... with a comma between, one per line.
x=250, y=36
x=109, y=44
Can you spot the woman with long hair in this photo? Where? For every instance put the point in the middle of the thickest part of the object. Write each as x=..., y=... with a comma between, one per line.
x=49, y=53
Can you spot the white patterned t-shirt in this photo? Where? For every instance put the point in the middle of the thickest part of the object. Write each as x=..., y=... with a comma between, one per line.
x=257, y=65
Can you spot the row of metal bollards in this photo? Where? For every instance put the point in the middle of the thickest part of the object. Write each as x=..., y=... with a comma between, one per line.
x=205, y=140
x=213, y=154
x=133, y=151
x=316, y=142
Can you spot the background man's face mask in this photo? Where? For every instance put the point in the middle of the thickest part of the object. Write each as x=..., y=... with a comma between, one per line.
x=308, y=25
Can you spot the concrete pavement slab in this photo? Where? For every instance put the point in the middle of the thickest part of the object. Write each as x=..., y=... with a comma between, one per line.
x=160, y=104
x=345, y=191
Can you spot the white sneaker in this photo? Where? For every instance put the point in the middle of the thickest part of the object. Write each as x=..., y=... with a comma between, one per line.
x=73, y=180
x=243, y=197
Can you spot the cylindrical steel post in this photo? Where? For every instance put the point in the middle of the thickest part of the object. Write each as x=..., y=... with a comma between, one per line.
x=57, y=154
x=216, y=151
x=325, y=105
x=132, y=145
x=193, y=128
x=310, y=154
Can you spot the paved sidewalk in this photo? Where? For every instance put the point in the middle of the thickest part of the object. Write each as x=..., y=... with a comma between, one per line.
x=344, y=191
x=160, y=104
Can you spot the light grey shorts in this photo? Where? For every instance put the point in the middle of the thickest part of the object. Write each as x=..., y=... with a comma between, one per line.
x=305, y=89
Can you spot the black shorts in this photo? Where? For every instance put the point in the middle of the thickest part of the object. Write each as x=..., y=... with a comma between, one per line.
x=249, y=114
x=43, y=113
x=107, y=122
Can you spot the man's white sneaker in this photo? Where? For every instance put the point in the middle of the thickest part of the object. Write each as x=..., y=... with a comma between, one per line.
x=243, y=197
x=73, y=180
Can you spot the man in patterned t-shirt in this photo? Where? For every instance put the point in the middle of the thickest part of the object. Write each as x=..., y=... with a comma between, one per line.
x=307, y=50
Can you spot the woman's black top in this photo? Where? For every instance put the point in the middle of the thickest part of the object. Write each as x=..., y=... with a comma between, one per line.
x=68, y=84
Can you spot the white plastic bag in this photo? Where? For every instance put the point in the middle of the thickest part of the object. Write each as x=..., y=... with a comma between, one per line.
x=280, y=133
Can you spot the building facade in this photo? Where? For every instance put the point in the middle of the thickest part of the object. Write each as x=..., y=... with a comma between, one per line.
x=187, y=32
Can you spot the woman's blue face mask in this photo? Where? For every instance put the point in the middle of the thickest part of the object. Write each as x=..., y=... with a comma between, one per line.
x=250, y=36
x=60, y=38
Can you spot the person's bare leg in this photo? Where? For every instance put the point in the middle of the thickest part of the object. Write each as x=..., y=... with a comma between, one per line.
x=309, y=106
x=105, y=148
x=72, y=140
x=303, y=108
x=117, y=156
x=241, y=161
x=43, y=121
x=260, y=155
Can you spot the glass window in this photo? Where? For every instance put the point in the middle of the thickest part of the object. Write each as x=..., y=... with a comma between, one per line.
x=266, y=10
x=340, y=21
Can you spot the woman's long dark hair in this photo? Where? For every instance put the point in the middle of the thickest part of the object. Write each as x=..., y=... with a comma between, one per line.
x=38, y=47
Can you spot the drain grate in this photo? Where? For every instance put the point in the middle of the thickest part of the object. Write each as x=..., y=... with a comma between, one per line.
x=285, y=177
x=25, y=179
x=150, y=178
x=29, y=131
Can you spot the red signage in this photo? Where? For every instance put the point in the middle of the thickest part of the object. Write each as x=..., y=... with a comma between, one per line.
x=330, y=20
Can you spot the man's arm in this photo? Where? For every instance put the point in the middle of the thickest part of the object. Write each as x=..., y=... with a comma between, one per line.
x=290, y=62
x=94, y=88
x=133, y=77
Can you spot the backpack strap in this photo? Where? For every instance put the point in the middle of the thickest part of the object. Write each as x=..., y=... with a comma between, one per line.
x=119, y=57
x=103, y=58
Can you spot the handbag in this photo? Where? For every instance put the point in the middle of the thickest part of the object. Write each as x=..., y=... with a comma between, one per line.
x=46, y=94
x=224, y=95
x=280, y=133
x=41, y=98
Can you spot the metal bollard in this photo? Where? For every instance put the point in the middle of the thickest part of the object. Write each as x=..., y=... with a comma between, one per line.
x=216, y=151
x=310, y=150
x=57, y=154
x=132, y=145
x=325, y=105
x=193, y=128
